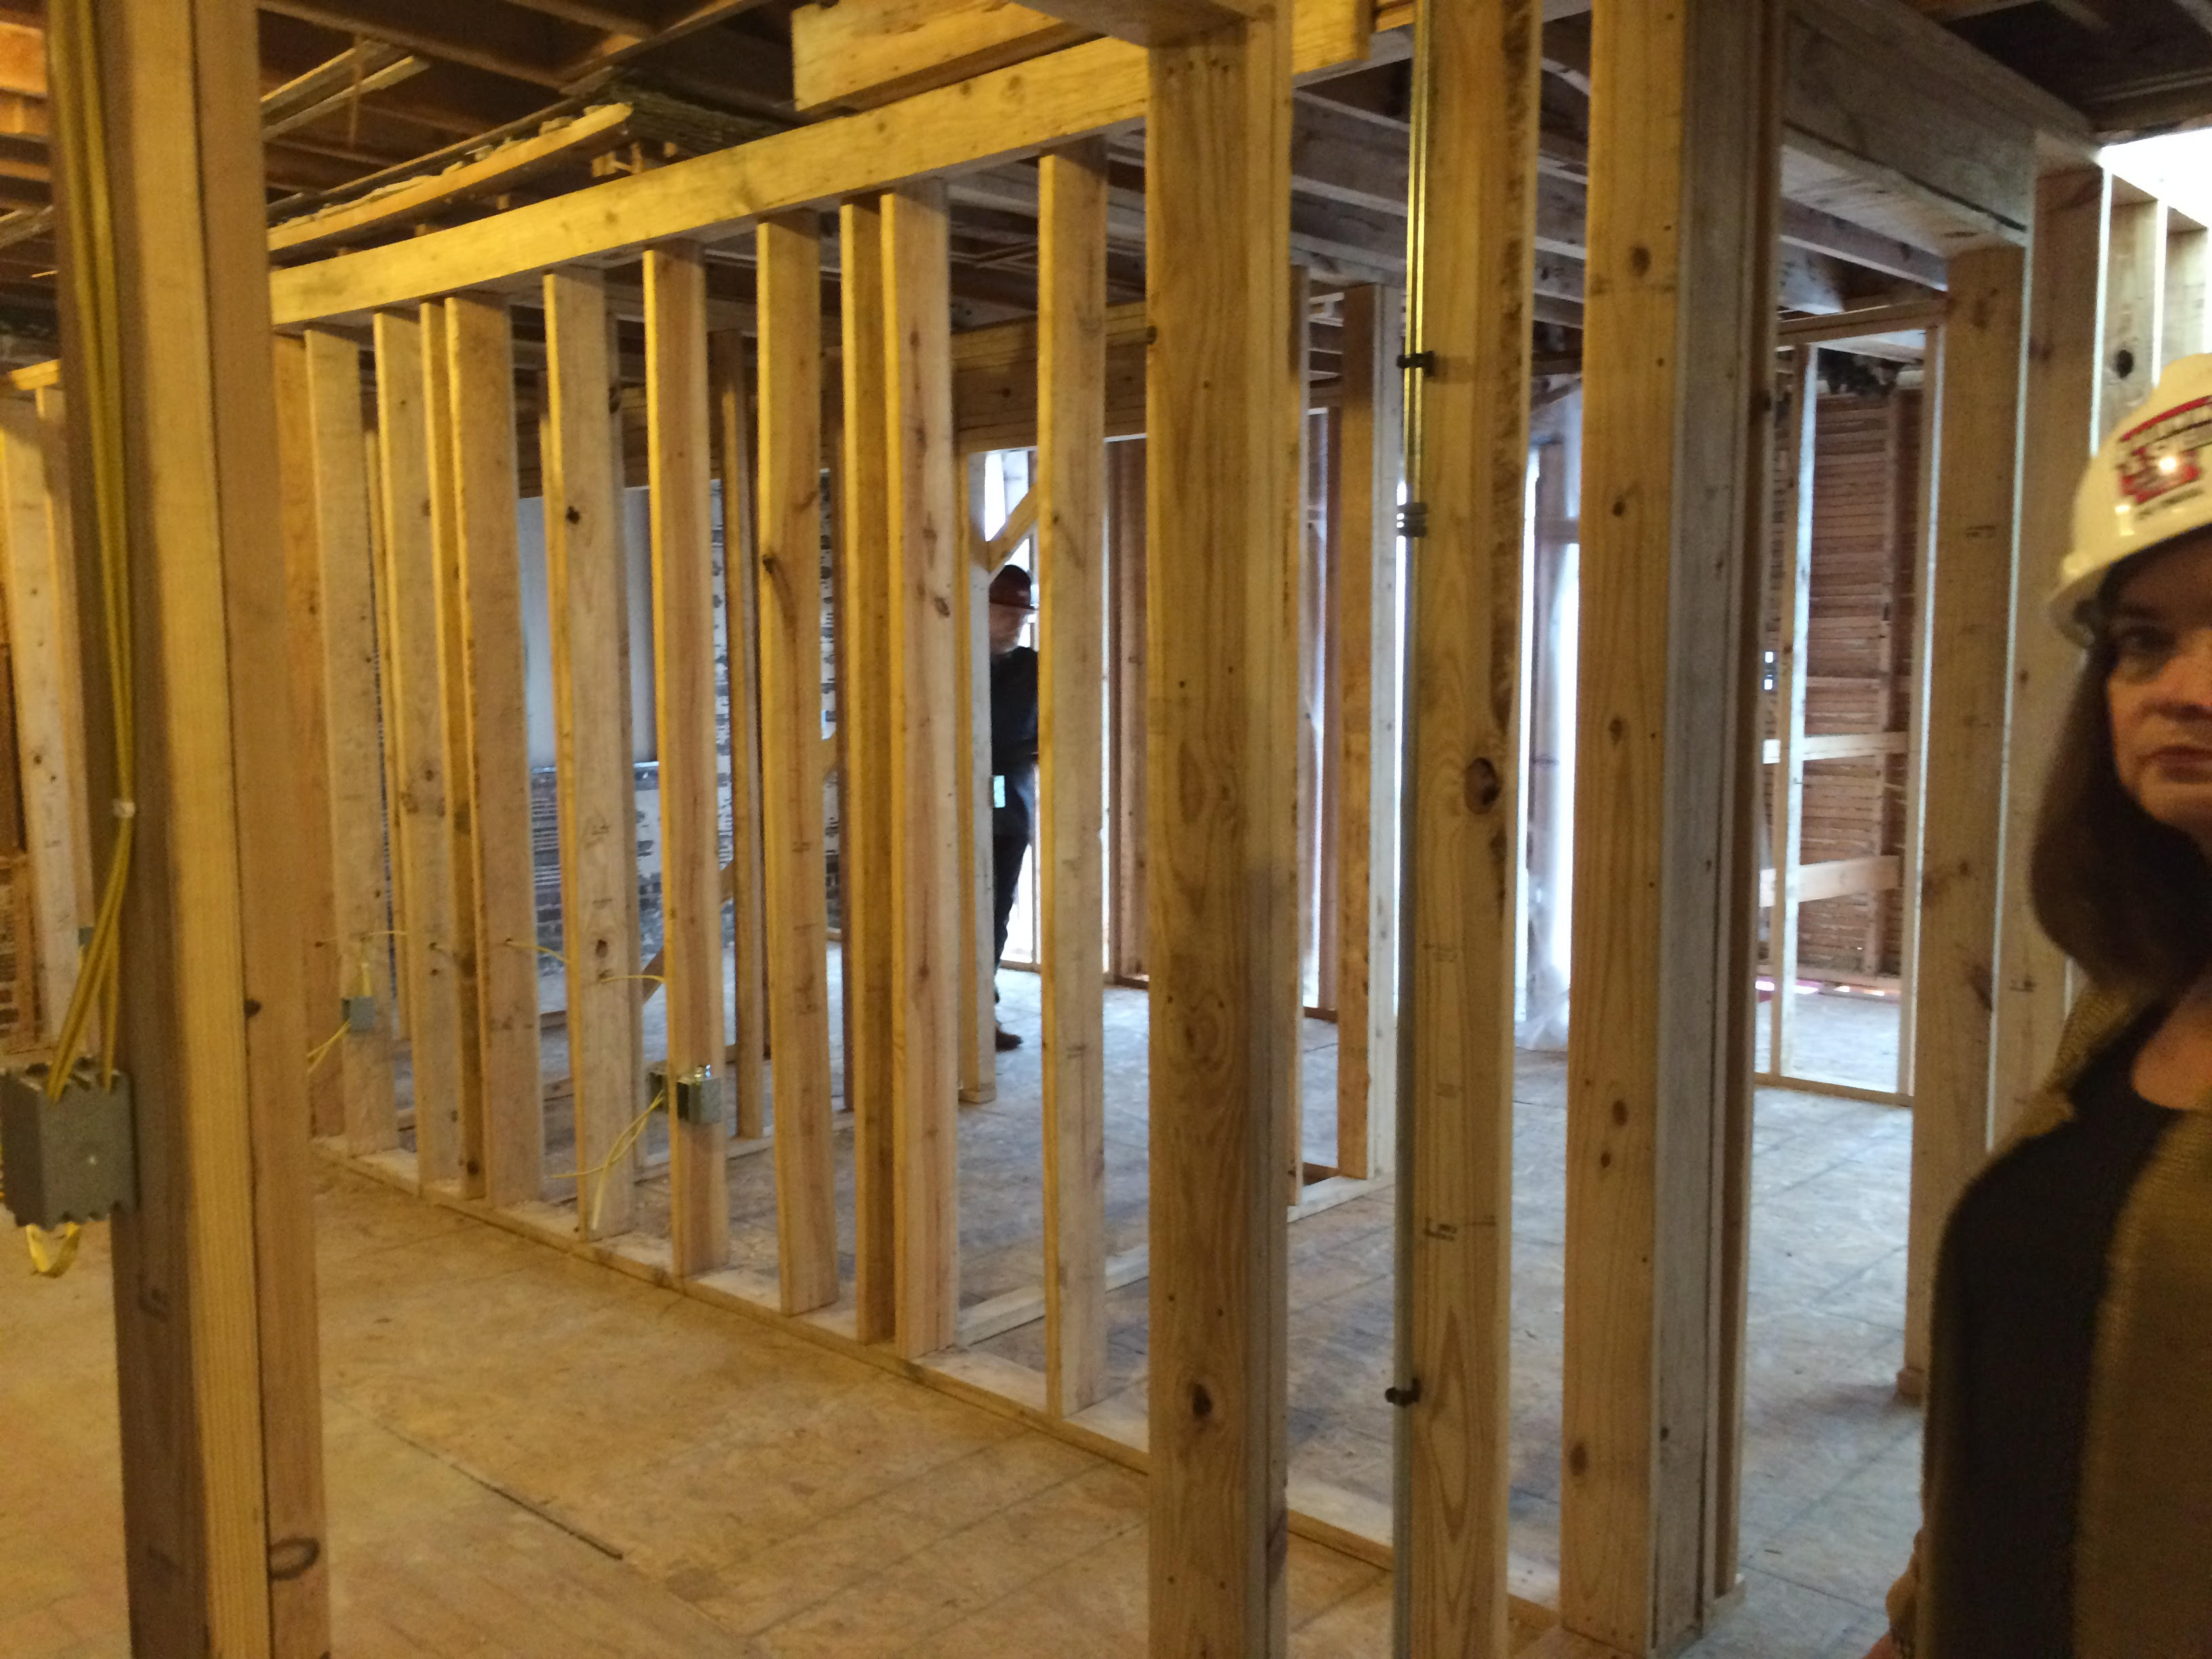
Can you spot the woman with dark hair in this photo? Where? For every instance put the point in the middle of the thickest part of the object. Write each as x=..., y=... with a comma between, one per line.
x=2067, y=1488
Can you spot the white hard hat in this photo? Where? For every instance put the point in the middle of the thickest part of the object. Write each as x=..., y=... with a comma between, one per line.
x=2151, y=482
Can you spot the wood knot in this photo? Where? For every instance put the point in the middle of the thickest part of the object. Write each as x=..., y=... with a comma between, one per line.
x=291, y=1558
x=1483, y=785
x=1202, y=1402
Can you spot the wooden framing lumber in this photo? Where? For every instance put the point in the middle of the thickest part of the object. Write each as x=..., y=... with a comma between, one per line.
x=859, y=56
x=1001, y=116
x=2058, y=436
x=2185, y=313
x=975, y=887
x=1835, y=878
x=504, y=169
x=678, y=450
x=1951, y=135
x=994, y=380
x=40, y=584
x=425, y=922
x=361, y=897
x=1839, y=745
x=1862, y=322
x=387, y=687
x=1008, y=113
x=1222, y=949
x=1786, y=788
x=463, y=952
x=730, y=384
x=1071, y=562
x=1150, y=22
x=321, y=968
x=52, y=405
x=1678, y=359
x=796, y=911
x=1006, y=540
x=586, y=596
x=2135, y=324
x=927, y=574
x=865, y=827
x=1479, y=66
x=1301, y=619
x=1124, y=623
x=480, y=383
x=1921, y=566
x=214, y=1266
x=1366, y=462
x=1977, y=530
x=2060, y=432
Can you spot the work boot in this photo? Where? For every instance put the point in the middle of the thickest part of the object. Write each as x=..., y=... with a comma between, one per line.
x=1006, y=1039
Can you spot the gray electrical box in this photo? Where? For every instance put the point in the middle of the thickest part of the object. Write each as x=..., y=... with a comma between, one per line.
x=71, y=1160
x=697, y=1097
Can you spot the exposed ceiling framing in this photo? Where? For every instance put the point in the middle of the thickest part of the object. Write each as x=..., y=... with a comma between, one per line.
x=361, y=94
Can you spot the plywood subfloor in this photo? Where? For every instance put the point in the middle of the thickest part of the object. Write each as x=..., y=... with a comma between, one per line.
x=536, y=1457
x=1832, y=1456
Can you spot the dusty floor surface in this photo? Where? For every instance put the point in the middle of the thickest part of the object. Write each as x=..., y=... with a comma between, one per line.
x=532, y=1455
x=531, y=1458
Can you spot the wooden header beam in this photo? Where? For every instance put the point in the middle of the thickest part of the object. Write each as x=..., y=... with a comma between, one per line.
x=1152, y=22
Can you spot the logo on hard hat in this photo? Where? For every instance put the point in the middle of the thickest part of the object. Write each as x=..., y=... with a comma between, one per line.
x=2166, y=452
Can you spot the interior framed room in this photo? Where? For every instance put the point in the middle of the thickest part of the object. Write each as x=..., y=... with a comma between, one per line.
x=1537, y=519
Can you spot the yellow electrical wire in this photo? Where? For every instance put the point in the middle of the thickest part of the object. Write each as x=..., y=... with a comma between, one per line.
x=317, y=1054
x=597, y=1173
x=80, y=137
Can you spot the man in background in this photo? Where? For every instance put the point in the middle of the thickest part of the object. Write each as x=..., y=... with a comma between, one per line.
x=1014, y=754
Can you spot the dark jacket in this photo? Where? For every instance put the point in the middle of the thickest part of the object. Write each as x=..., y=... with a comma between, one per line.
x=2143, y=1538
x=1014, y=741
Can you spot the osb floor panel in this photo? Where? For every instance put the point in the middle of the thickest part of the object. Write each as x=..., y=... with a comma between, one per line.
x=536, y=1457
x=1830, y=1456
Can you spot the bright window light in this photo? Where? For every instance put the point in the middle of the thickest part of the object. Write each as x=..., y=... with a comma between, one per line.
x=2175, y=166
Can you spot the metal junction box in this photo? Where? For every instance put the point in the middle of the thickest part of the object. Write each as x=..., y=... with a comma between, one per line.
x=71, y=1160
